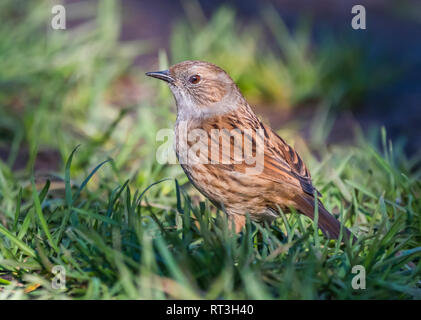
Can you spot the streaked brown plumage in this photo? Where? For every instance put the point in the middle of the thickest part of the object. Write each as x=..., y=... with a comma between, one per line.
x=208, y=99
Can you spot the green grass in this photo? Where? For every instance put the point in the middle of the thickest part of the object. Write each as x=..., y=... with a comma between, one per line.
x=118, y=241
x=125, y=227
x=275, y=66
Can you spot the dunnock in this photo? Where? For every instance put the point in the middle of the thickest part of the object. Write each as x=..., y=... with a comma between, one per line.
x=208, y=101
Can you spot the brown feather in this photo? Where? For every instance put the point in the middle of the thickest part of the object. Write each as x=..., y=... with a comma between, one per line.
x=215, y=103
x=285, y=179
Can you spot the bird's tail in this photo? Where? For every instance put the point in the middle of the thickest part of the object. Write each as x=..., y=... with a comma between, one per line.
x=330, y=227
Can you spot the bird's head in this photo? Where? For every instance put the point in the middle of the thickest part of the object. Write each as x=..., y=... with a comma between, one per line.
x=201, y=89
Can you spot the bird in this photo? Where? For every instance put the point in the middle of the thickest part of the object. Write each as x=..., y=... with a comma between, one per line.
x=212, y=111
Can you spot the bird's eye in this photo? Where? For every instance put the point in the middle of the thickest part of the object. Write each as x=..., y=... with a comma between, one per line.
x=194, y=79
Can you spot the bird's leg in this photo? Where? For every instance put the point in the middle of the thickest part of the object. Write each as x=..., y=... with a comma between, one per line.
x=237, y=221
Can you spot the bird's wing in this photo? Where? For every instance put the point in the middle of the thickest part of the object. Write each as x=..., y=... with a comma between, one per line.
x=278, y=151
x=281, y=162
x=281, y=165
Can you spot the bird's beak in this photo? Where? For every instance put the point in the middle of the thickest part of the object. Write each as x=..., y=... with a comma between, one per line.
x=163, y=75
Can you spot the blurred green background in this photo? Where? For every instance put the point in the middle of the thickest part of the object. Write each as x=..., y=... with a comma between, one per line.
x=347, y=100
